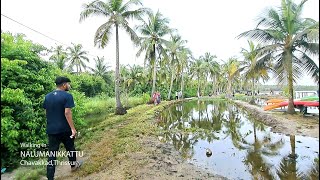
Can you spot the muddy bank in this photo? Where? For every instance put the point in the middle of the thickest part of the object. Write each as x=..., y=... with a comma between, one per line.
x=156, y=161
x=166, y=163
x=284, y=123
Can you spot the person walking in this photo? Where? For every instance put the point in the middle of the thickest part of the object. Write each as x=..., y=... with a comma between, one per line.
x=60, y=127
x=154, y=98
x=158, y=97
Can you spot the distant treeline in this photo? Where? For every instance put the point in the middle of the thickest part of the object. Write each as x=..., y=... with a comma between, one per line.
x=280, y=88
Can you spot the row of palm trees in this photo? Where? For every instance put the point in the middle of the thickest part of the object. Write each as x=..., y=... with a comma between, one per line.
x=73, y=56
x=285, y=42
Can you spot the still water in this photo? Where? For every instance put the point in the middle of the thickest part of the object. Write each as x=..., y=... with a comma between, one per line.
x=242, y=148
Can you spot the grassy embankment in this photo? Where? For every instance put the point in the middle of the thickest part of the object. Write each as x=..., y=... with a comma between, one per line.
x=107, y=135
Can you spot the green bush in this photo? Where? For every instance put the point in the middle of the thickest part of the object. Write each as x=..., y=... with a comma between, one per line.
x=25, y=80
x=99, y=104
x=145, y=97
x=22, y=117
x=89, y=84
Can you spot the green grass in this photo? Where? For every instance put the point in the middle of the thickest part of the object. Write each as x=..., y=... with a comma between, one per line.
x=117, y=135
x=34, y=173
x=98, y=105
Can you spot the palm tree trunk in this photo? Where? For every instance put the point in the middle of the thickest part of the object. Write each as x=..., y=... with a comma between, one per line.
x=229, y=89
x=293, y=146
x=252, y=91
x=213, y=84
x=290, y=82
x=181, y=88
x=77, y=69
x=171, y=83
x=198, y=87
x=154, y=70
x=119, y=109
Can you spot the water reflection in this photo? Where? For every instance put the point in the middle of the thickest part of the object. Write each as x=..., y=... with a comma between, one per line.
x=241, y=146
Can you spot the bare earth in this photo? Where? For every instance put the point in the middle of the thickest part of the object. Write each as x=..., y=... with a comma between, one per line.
x=161, y=161
x=157, y=161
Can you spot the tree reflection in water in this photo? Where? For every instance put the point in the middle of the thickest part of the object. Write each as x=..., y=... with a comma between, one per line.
x=188, y=123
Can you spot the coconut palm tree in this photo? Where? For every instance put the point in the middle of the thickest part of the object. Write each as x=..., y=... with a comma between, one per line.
x=212, y=67
x=197, y=69
x=184, y=57
x=153, y=30
x=290, y=40
x=251, y=68
x=231, y=70
x=221, y=81
x=101, y=68
x=117, y=14
x=59, y=57
x=174, y=46
x=135, y=76
x=77, y=57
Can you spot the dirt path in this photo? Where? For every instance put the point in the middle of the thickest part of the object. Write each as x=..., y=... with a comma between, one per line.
x=285, y=123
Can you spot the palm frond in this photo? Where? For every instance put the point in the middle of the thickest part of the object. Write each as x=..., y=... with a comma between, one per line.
x=97, y=8
x=311, y=67
x=133, y=36
x=103, y=34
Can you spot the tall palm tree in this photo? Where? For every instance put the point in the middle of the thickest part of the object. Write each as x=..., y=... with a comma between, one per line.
x=101, y=67
x=198, y=69
x=77, y=57
x=184, y=57
x=231, y=69
x=212, y=67
x=290, y=39
x=135, y=76
x=153, y=30
x=251, y=68
x=117, y=14
x=221, y=81
x=59, y=57
x=174, y=46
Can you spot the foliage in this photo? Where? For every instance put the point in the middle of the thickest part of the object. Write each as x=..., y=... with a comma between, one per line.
x=286, y=91
x=77, y=57
x=21, y=112
x=24, y=83
x=145, y=97
x=98, y=105
x=27, y=174
x=117, y=13
x=289, y=42
x=89, y=84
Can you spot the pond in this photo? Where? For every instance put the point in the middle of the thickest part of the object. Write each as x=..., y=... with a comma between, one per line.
x=242, y=148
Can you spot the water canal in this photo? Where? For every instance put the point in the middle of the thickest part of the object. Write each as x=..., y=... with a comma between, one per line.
x=242, y=148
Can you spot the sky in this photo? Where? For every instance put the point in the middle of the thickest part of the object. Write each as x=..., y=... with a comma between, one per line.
x=208, y=25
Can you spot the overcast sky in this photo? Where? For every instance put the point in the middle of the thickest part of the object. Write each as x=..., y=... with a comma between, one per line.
x=207, y=25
